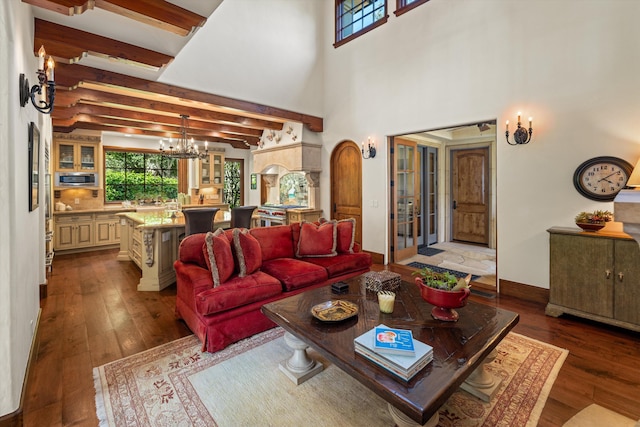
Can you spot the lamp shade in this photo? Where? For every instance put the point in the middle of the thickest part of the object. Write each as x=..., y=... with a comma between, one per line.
x=634, y=179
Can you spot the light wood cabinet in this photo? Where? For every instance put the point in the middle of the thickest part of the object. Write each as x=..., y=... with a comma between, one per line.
x=75, y=156
x=210, y=178
x=107, y=227
x=595, y=276
x=73, y=231
x=309, y=215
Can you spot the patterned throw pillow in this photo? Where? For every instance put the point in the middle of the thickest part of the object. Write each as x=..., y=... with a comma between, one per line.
x=247, y=250
x=317, y=240
x=217, y=253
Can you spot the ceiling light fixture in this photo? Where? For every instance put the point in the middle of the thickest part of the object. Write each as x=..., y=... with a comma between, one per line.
x=184, y=149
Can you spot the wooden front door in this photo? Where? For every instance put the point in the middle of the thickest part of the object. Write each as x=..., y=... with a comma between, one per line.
x=346, y=184
x=470, y=195
x=406, y=196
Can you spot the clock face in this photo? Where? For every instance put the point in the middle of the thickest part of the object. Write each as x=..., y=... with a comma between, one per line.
x=601, y=178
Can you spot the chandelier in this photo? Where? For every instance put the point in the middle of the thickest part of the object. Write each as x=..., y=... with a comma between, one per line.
x=183, y=149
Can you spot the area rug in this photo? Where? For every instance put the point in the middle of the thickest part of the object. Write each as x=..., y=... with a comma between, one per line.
x=441, y=270
x=177, y=385
x=427, y=251
x=597, y=416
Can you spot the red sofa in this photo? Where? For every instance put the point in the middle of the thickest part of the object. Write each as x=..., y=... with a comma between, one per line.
x=224, y=278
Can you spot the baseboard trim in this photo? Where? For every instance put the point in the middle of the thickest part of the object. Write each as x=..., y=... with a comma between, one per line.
x=525, y=292
x=16, y=418
x=376, y=258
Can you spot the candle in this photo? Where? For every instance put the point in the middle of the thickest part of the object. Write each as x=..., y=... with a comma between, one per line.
x=530, y=121
x=206, y=146
x=507, y=124
x=41, y=54
x=50, y=66
x=386, y=300
x=519, y=113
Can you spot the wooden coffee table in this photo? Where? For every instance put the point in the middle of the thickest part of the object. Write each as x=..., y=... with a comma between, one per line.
x=460, y=348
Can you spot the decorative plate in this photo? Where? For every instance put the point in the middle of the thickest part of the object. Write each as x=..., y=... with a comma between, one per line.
x=334, y=311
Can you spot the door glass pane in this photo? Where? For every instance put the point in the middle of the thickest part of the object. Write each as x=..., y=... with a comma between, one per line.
x=65, y=156
x=205, y=171
x=87, y=157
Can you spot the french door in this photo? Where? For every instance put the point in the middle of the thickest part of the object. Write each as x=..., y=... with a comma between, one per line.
x=406, y=196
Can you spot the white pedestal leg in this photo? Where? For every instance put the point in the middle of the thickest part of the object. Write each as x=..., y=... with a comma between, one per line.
x=402, y=420
x=299, y=367
x=481, y=383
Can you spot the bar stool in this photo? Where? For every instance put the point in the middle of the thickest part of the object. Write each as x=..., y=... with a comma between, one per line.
x=241, y=216
x=198, y=220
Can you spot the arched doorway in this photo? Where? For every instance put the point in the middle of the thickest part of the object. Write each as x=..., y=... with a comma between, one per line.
x=346, y=184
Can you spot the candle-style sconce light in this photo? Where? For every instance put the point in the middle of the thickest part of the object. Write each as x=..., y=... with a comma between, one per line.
x=369, y=150
x=521, y=135
x=45, y=90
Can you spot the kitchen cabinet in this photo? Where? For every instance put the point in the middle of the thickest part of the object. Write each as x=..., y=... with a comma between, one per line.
x=299, y=215
x=76, y=156
x=212, y=170
x=107, y=228
x=595, y=276
x=73, y=231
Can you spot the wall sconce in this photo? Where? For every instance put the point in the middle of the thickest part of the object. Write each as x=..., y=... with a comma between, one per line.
x=520, y=136
x=370, y=151
x=46, y=94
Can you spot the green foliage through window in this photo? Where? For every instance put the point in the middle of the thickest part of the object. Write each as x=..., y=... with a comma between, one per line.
x=232, y=183
x=131, y=175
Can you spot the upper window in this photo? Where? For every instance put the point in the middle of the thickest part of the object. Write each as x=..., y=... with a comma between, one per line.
x=356, y=17
x=138, y=175
x=403, y=6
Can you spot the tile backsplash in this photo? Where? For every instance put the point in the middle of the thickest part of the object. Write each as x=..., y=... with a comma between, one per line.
x=83, y=196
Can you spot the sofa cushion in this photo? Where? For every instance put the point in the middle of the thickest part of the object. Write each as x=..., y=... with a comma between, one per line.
x=248, y=251
x=343, y=263
x=317, y=240
x=237, y=292
x=294, y=273
x=275, y=242
x=218, y=256
x=346, y=235
x=190, y=250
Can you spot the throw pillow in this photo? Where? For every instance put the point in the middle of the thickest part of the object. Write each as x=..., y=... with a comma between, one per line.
x=346, y=231
x=247, y=250
x=219, y=257
x=317, y=240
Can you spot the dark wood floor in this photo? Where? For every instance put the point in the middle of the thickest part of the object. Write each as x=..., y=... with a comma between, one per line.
x=93, y=315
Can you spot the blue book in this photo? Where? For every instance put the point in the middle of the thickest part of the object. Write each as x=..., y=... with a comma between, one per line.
x=393, y=341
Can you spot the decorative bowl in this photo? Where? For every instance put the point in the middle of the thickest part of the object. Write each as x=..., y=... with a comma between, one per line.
x=443, y=300
x=591, y=226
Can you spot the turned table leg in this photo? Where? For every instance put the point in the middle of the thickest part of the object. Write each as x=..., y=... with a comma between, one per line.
x=402, y=420
x=299, y=367
x=481, y=383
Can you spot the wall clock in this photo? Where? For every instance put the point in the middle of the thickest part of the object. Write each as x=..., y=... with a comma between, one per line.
x=601, y=178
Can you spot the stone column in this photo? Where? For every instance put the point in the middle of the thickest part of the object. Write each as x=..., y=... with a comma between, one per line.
x=313, y=185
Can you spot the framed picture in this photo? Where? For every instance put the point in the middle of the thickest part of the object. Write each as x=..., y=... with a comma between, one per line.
x=254, y=181
x=34, y=166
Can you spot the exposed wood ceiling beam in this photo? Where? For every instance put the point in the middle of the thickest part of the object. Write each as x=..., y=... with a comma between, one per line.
x=72, y=75
x=157, y=13
x=70, y=45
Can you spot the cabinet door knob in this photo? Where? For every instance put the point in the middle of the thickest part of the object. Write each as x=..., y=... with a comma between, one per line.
x=620, y=276
x=608, y=273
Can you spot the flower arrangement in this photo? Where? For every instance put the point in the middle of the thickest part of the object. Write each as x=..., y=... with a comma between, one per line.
x=595, y=217
x=444, y=281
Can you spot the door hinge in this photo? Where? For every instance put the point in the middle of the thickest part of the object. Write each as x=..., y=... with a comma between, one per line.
x=392, y=183
x=391, y=215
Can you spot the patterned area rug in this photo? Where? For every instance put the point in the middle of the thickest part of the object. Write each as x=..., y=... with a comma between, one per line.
x=177, y=385
x=441, y=270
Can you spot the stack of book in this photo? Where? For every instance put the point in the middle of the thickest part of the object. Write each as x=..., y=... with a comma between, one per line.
x=395, y=350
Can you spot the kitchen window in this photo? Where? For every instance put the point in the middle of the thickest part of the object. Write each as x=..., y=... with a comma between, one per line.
x=403, y=6
x=356, y=17
x=139, y=175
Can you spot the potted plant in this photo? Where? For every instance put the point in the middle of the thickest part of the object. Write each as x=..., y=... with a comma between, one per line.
x=443, y=290
x=593, y=221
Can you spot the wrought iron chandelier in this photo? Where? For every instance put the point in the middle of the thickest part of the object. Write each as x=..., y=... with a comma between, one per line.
x=184, y=149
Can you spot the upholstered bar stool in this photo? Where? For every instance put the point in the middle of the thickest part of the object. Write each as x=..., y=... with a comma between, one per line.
x=241, y=216
x=198, y=220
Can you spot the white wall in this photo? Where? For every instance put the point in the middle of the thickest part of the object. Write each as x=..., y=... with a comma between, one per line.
x=571, y=64
x=21, y=231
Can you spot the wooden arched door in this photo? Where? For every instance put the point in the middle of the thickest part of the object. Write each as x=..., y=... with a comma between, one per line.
x=346, y=184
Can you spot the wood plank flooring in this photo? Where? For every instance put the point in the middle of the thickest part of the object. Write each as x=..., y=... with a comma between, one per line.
x=93, y=315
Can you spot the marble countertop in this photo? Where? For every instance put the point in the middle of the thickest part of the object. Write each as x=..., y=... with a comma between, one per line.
x=164, y=220
x=114, y=209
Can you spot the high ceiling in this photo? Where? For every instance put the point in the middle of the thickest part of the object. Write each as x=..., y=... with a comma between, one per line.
x=109, y=55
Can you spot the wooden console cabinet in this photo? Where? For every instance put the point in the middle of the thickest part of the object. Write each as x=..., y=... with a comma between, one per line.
x=595, y=275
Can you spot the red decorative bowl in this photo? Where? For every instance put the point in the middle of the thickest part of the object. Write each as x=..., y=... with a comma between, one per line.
x=591, y=226
x=444, y=301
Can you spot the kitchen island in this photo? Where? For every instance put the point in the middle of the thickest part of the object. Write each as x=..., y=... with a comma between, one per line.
x=151, y=241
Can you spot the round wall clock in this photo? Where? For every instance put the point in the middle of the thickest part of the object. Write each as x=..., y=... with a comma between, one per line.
x=601, y=178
